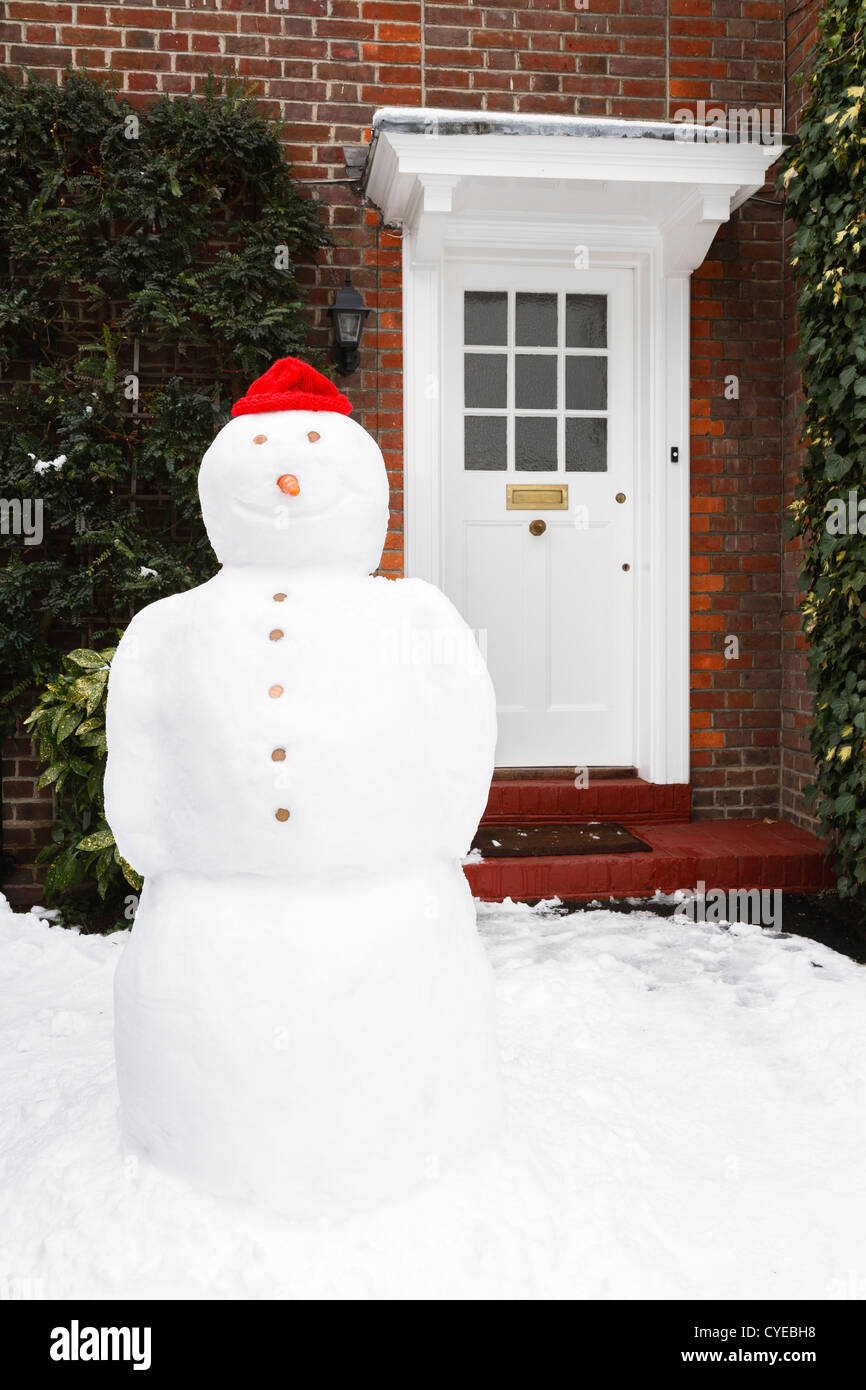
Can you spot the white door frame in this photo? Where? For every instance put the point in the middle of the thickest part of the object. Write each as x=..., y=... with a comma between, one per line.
x=661, y=555
x=671, y=199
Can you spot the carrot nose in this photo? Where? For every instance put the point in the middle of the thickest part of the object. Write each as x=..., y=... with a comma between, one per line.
x=289, y=483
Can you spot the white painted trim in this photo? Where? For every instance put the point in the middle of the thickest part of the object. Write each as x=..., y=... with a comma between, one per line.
x=418, y=181
x=422, y=375
x=651, y=614
x=399, y=159
x=674, y=679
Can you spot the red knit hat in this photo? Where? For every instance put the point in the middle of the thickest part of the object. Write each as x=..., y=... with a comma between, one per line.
x=291, y=384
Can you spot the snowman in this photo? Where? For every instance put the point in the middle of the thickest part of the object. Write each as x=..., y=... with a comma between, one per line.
x=298, y=757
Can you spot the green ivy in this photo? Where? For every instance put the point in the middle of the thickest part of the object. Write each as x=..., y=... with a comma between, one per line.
x=69, y=723
x=158, y=245
x=825, y=180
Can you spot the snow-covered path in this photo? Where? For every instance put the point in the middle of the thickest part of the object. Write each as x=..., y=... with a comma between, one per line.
x=688, y=1119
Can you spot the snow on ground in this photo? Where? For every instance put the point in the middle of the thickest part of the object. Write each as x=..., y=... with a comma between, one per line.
x=687, y=1119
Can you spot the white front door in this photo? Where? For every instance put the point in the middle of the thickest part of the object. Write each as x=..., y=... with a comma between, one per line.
x=539, y=505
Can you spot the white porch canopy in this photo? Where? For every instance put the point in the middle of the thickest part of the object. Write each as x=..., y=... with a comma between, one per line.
x=523, y=189
x=674, y=180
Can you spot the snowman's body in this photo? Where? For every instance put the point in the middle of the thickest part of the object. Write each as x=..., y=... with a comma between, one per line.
x=298, y=757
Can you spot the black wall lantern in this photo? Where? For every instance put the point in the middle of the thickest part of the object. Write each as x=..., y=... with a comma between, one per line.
x=347, y=319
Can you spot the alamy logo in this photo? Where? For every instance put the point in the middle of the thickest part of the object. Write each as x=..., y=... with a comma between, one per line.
x=846, y=516
x=758, y=906
x=76, y=1343
x=22, y=517
x=757, y=125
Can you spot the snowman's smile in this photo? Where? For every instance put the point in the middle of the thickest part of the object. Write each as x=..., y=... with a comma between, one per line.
x=298, y=506
x=295, y=495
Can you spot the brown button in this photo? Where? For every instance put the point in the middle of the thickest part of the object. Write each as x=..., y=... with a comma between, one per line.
x=275, y=692
x=276, y=633
x=278, y=755
x=283, y=814
x=313, y=436
x=278, y=598
x=260, y=439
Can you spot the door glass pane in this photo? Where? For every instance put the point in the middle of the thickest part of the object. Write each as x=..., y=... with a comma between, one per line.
x=485, y=442
x=535, y=382
x=585, y=320
x=535, y=320
x=484, y=377
x=586, y=383
x=586, y=446
x=535, y=443
x=526, y=328
x=485, y=318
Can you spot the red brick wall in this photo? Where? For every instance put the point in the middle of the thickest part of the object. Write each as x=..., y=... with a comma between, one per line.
x=325, y=65
x=27, y=818
x=730, y=54
x=736, y=480
x=796, y=763
x=548, y=56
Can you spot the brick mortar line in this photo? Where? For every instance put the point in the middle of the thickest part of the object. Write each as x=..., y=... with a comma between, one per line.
x=668, y=60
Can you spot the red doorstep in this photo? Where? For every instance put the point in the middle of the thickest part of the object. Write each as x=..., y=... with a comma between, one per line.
x=548, y=800
x=723, y=854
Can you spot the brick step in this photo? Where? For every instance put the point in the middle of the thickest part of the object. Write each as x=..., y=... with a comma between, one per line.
x=517, y=774
x=551, y=800
x=722, y=854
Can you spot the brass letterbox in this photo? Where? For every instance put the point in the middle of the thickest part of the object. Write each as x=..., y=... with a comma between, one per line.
x=535, y=497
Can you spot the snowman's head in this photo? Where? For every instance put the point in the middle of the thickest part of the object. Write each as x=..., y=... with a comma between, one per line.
x=292, y=481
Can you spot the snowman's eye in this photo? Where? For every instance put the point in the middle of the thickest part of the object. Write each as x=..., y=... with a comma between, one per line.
x=313, y=436
x=260, y=439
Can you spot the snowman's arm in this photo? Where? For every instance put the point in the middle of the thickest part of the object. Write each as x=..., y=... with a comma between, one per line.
x=135, y=773
x=458, y=712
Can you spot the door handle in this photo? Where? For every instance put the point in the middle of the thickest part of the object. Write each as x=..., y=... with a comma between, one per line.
x=538, y=528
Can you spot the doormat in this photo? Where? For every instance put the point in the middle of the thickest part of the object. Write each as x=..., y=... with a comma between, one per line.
x=518, y=842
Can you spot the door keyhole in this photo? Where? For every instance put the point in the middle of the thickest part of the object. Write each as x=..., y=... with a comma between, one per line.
x=537, y=528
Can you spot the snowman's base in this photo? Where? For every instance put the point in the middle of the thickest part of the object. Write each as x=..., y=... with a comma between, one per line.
x=312, y=1049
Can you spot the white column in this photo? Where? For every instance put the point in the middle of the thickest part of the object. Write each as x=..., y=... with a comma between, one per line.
x=677, y=546
x=422, y=390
